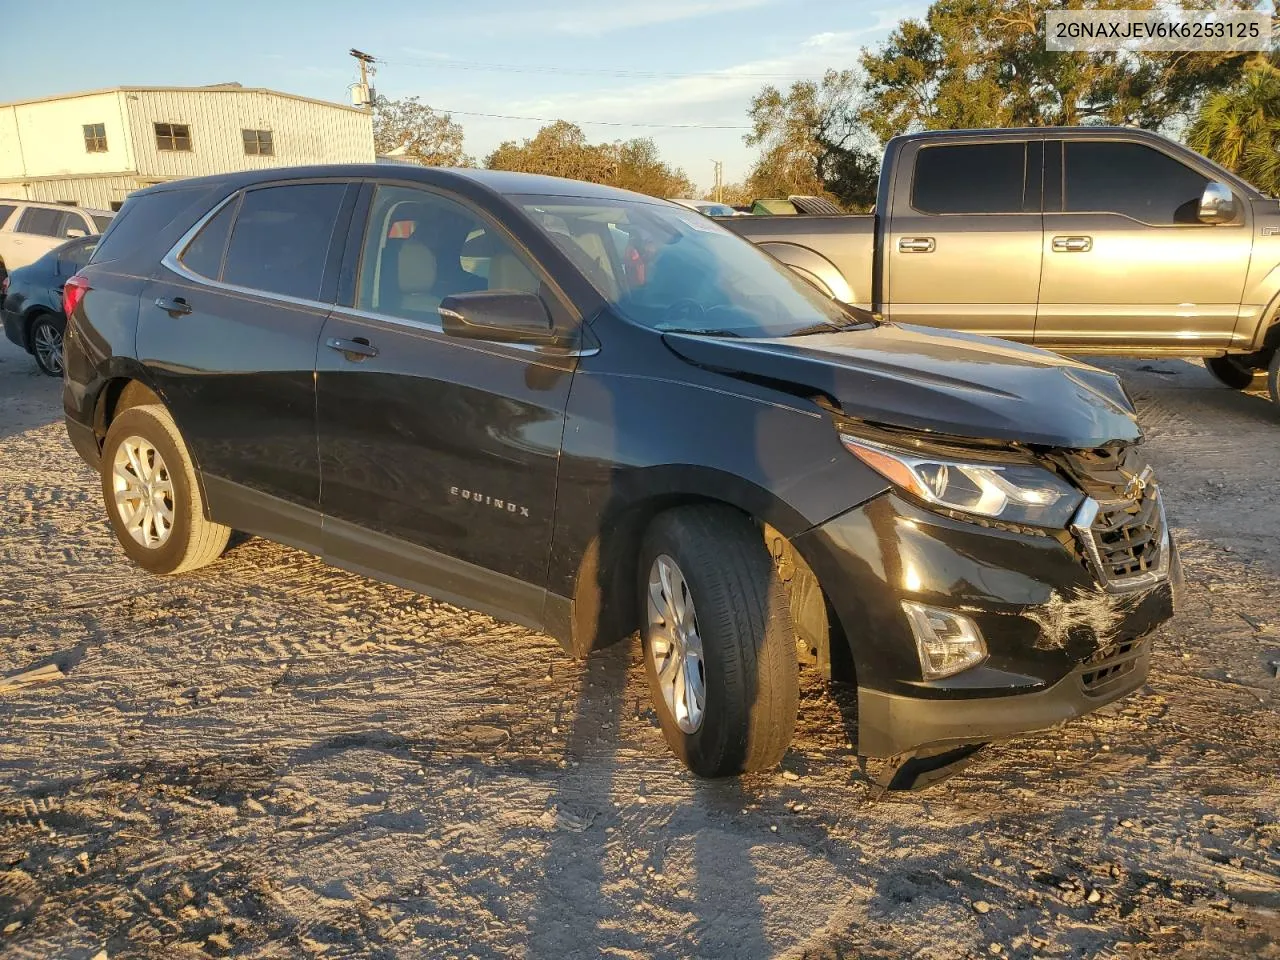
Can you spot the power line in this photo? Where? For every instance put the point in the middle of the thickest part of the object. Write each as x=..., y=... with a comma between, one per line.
x=597, y=123
x=582, y=72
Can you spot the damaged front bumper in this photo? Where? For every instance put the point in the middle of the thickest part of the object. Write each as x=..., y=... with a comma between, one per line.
x=1061, y=641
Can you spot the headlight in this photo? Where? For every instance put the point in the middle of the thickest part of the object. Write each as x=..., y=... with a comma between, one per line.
x=1015, y=493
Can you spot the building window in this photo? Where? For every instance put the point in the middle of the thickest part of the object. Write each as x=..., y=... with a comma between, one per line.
x=95, y=138
x=173, y=136
x=257, y=143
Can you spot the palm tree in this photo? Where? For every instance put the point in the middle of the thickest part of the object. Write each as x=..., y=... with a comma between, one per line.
x=1240, y=127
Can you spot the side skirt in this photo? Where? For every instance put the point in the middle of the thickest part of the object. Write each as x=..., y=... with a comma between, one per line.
x=382, y=557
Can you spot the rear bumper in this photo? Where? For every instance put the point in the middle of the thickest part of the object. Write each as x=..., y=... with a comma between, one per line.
x=84, y=440
x=13, y=328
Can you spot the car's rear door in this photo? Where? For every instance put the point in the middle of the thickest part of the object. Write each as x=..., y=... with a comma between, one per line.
x=962, y=245
x=439, y=456
x=228, y=328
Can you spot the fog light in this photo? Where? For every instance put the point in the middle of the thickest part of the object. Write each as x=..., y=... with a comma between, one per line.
x=947, y=642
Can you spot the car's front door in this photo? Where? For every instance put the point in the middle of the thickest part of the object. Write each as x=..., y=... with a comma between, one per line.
x=1127, y=263
x=439, y=456
x=228, y=328
x=962, y=246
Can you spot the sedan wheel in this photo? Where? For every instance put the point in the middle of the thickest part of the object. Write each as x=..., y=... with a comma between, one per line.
x=46, y=346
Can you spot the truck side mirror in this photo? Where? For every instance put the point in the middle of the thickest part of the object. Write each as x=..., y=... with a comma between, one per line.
x=1217, y=204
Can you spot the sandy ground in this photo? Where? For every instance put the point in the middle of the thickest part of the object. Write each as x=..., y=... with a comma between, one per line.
x=272, y=758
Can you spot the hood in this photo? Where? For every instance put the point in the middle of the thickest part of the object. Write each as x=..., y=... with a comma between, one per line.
x=935, y=381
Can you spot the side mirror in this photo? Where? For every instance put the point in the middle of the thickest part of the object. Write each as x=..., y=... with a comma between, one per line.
x=1217, y=204
x=503, y=316
x=75, y=233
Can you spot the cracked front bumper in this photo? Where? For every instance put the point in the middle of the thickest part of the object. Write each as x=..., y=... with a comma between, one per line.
x=1059, y=644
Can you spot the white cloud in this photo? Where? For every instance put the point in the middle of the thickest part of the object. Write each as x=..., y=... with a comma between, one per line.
x=599, y=19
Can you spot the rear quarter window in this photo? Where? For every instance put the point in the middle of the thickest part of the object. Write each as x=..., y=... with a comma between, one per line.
x=970, y=178
x=141, y=221
x=6, y=211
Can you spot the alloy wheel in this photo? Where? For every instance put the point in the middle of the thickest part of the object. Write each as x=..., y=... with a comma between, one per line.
x=675, y=644
x=46, y=343
x=143, y=492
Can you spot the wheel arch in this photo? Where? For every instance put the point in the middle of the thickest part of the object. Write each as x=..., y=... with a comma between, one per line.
x=604, y=608
x=29, y=318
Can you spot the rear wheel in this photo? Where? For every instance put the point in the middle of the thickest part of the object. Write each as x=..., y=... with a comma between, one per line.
x=152, y=495
x=46, y=343
x=718, y=641
x=1230, y=371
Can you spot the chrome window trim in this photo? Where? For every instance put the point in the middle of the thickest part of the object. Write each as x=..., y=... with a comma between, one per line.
x=173, y=261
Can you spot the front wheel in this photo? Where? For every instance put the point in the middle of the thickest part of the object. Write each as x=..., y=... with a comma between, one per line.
x=719, y=646
x=46, y=344
x=1230, y=371
x=153, y=497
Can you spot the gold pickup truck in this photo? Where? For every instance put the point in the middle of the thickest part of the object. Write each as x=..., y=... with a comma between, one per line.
x=1099, y=240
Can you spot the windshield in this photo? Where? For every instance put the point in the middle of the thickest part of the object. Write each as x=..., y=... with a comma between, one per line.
x=673, y=269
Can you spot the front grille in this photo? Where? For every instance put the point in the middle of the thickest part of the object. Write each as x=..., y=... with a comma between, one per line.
x=1125, y=542
x=1109, y=665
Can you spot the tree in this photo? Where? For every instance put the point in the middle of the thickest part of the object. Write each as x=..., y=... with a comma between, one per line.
x=418, y=133
x=561, y=149
x=812, y=141
x=1240, y=127
x=983, y=63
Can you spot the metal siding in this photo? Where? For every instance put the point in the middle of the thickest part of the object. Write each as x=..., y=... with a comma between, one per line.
x=46, y=139
x=97, y=192
x=302, y=132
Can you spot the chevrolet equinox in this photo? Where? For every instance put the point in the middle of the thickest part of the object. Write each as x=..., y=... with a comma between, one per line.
x=593, y=412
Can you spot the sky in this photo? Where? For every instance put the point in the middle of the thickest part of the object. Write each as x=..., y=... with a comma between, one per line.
x=694, y=64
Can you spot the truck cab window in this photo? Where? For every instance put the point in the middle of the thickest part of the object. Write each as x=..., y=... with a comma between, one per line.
x=970, y=178
x=1130, y=179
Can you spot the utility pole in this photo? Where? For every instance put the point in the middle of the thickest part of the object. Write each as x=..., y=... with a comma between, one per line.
x=366, y=61
x=719, y=187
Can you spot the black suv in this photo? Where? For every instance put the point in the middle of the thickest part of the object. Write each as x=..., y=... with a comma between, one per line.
x=593, y=412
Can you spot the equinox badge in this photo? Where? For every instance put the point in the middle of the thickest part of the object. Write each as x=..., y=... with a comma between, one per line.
x=475, y=497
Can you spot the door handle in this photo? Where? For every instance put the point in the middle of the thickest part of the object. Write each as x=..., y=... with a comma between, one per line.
x=354, y=350
x=177, y=307
x=916, y=245
x=1072, y=244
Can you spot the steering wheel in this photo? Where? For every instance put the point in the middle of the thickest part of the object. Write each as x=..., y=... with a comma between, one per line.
x=684, y=313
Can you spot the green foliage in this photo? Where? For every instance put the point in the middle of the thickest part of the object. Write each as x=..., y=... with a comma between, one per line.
x=1240, y=127
x=416, y=132
x=812, y=142
x=561, y=149
x=983, y=63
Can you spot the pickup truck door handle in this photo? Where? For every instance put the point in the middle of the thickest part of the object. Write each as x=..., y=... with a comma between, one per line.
x=177, y=307
x=916, y=245
x=1072, y=244
x=354, y=350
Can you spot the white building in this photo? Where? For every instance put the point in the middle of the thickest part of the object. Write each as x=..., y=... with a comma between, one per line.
x=94, y=148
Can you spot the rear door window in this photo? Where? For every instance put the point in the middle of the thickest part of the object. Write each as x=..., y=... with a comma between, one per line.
x=281, y=238
x=1130, y=179
x=204, y=253
x=42, y=222
x=970, y=178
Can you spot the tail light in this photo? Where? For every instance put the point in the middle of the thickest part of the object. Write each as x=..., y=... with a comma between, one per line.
x=73, y=293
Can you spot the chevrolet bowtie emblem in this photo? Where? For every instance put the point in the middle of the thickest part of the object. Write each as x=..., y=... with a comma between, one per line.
x=1138, y=483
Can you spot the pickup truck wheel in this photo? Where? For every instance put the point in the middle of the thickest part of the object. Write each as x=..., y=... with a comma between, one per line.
x=153, y=497
x=1230, y=371
x=719, y=647
x=1273, y=377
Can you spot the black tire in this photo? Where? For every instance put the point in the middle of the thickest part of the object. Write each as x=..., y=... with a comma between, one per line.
x=743, y=619
x=1273, y=377
x=45, y=339
x=191, y=541
x=1230, y=371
